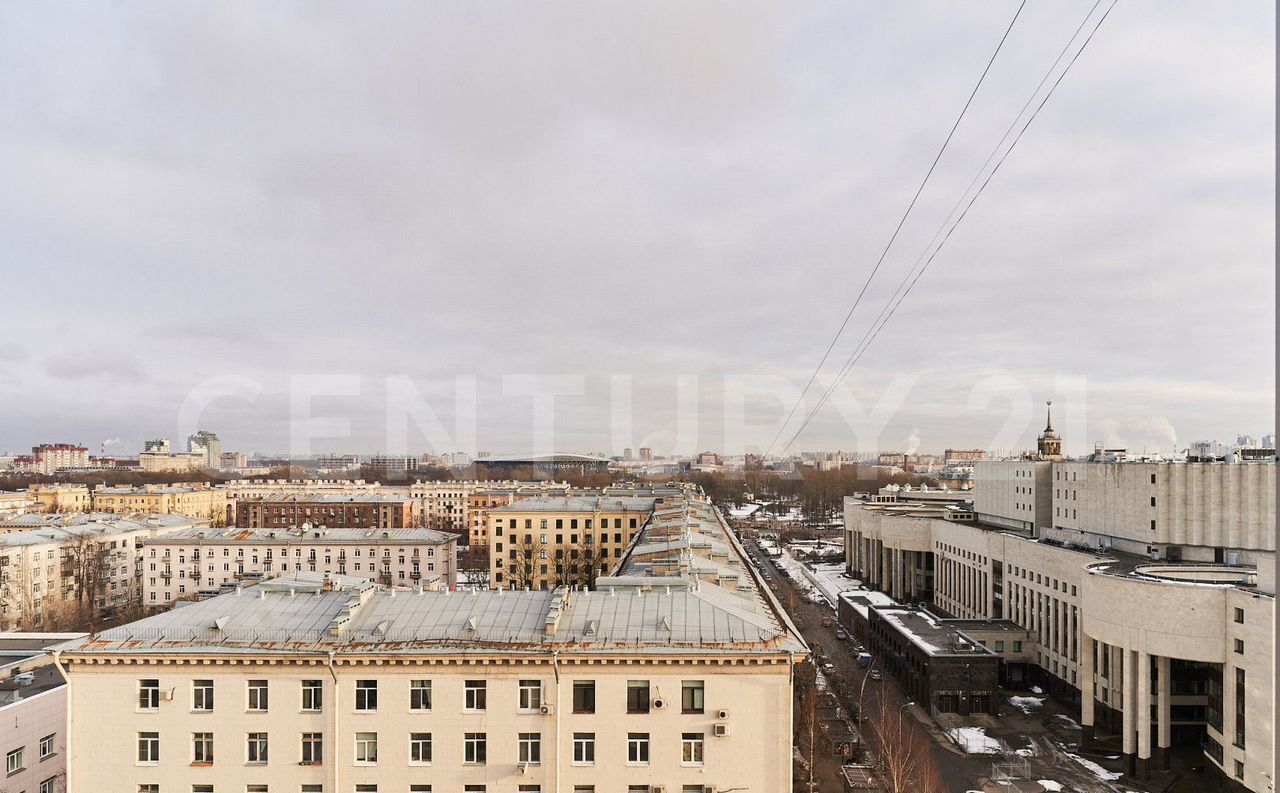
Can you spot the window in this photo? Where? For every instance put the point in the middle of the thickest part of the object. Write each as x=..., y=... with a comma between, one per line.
x=202, y=789
x=1017, y=646
x=255, y=789
x=999, y=646
x=49, y=785
x=13, y=760
x=366, y=695
x=584, y=747
x=148, y=747
x=312, y=748
x=691, y=693
x=637, y=696
x=202, y=695
x=691, y=744
x=419, y=747
x=256, y=748
x=366, y=788
x=1240, y=646
x=584, y=789
x=473, y=789
x=148, y=694
x=638, y=747
x=473, y=695
x=202, y=747
x=530, y=694
x=313, y=789
x=46, y=746
x=474, y=748
x=257, y=695
x=530, y=747
x=584, y=696
x=1240, y=616
x=1239, y=771
x=419, y=695
x=419, y=789
x=366, y=748
x=312, y=698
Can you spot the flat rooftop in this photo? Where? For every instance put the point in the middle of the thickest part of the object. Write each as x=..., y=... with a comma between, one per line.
x=624, y=619
x=932, y=634
x=316, y=535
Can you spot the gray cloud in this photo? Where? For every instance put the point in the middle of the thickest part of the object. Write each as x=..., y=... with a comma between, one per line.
x=656, y=190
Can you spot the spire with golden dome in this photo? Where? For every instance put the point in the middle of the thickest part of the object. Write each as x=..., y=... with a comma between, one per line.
x=1049, y=445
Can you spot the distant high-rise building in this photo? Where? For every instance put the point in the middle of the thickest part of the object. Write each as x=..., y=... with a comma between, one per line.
x=626, y=454
x=206, y=443
x=233, y=460
x=47, y=458
x=1049, y=445
x=1269, y=440
x=1246, y=442
x=646, y=453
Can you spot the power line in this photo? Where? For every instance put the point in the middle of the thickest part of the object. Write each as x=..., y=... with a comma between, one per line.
x=874, y=330
x=898, y=228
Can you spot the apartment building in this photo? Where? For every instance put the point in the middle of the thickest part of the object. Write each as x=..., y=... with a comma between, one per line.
x=1162, y=632
x=48, y=458
x=199, y=561
x=53, y=564
x=62, y=497
x=371, y=510
x=33, y=713
x=651, y=683
x=17, y=502
x=545, y=542
x=450, y=506
x=197, y=500
x=258, y=488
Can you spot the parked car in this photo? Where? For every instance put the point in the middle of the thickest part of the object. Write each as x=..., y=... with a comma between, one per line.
x=875, y=674
x=840, y=634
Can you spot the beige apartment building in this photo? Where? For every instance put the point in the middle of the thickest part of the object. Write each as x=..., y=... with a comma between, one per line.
x=201, y=561
x=196, y=500
x=62, y=497
x=1163, y=635
x=458, y=506
x=678, y=687
x=256, y=488
x=545, y=542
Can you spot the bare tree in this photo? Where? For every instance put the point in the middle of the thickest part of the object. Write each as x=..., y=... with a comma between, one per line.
x=86, y=562
x=579, y=565
x=904, y=763
x=527, y=561
x=473, y=567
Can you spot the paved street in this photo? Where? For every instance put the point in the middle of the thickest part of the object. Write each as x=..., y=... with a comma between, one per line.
x=1045, y=737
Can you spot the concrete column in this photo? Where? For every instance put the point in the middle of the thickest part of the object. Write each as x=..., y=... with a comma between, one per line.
x=885, y=567
x=1143, y=687
x=1086, y=691
x=1164, y=731
x=1129, y=708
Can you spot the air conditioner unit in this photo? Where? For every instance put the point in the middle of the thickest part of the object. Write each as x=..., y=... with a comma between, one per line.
x=657, y=789
x=722, y=714
x=720, y=730
x=659, y=703
x=524, y=769
x=708, y=789
x=167, y=695
x=547, y=710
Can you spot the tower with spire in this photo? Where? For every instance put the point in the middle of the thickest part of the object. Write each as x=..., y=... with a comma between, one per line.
x=1049, y=445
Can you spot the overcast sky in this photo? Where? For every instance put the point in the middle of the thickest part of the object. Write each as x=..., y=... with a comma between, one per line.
x=206, y=198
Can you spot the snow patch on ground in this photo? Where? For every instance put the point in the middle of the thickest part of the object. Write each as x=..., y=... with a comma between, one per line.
x=1098, y=771
x=974, y=740
x=1037, y=690
x=1070, y=722
x=1049, y=785
x=745, y=511
x=1027, y=705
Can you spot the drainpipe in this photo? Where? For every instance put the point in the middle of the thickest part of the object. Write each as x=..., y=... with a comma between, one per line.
x=57, y=662
x=555, y=667
x=333, y=754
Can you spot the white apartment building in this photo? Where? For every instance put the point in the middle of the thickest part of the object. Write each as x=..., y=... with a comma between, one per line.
x=50, y=562
x=1120, y=624
x=181, y=565
x=653, y=682
x=48, y=458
